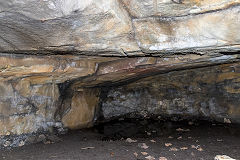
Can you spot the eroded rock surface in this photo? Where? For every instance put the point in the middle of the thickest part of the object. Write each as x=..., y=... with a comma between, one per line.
x=210, y=31
x=175, y=8
x=209, y=92
x=42, y=93
x=46, y=93
x=118, y=27
x=81, y=113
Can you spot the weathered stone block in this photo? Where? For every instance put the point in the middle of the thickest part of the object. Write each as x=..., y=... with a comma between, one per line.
x=210, y=31
x=83, y=108
x=28, y=108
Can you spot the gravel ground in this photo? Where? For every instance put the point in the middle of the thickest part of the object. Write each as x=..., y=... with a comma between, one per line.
x=200, y=141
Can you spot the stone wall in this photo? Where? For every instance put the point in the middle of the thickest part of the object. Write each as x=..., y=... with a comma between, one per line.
x=47, y=94
x=204, y=93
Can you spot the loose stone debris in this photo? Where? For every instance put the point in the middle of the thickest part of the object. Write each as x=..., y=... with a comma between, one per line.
x=174, y=149
x=150, y=158
x=168, y=144
x=129, y=140
x=144, y=153
x=184, y=148
x=143, y=145
x=226, y=120
x=153, y=141
x=223, y=157
x=182, y=130
x=198, y=147
x=135, y=154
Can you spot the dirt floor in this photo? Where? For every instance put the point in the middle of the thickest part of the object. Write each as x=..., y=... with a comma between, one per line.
x=148, y=140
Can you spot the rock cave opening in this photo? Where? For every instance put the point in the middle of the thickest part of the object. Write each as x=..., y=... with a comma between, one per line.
x=156, y=104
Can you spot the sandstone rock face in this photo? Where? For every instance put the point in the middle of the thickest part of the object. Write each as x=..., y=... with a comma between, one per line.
x=119, y=27
x=174, y=8
x=84, y=103
x=26, y=108
x=29, y=90
x=68, y=25
x=193, y=33
x=44, y=93
x=65, y=64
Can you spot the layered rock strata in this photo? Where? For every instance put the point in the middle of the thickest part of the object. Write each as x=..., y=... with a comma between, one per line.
x=119, y=27
x=46, y=93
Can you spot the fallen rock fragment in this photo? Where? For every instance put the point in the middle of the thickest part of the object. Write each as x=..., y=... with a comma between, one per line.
x=198, y=147
x=7, y=143
x=21, y=143
x=144, y=153
x=150, y=157
x=135, y=154
x=143, y=145
x=47, y=142
x=184, y=148
x=226, y=120
x=223, y=157
x=174, y=149
x=153, y=141
x=182, y=130
x=180, y=137
x=129, y=140
x=219, y=140
x=112, y=154
x=168, y=144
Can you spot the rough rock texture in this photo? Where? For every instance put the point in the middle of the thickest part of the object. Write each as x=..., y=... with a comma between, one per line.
x=68, y=25
x=67, y=63
x=119, y=27
x=84, y=103
x=29, y=90
x=25, y=108
x=44, y=93
x=41, y=92
x=217, y=30
x=210, y=92
x=175, y=8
